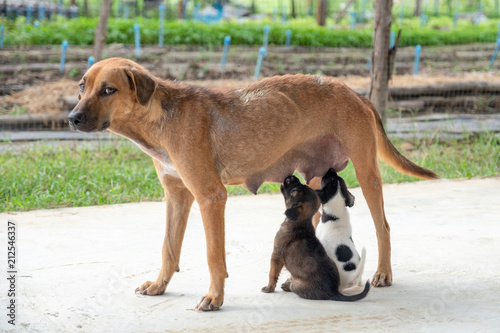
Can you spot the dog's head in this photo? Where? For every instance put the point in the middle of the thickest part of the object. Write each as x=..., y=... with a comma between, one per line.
x=109, y=89
x=330, y=185
x=301, y=201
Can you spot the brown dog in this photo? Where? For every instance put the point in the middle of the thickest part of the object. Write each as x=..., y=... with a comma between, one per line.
x=201, y=139
x=314, y=274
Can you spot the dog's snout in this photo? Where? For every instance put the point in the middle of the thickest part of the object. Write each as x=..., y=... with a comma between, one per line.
x=76, y=119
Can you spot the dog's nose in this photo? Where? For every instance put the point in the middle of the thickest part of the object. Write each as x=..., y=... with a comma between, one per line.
x=289, y=180
x=76, y=119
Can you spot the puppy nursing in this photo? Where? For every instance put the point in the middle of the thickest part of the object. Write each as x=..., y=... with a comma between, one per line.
x=313, y=274
x=335, y=233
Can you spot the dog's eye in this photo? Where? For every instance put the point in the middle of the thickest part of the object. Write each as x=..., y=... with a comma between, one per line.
x=108, y=91
x=82, y=86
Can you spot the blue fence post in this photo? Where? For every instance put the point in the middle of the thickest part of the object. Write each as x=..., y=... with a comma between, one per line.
x=418, y=50
x=275, y=14
x=455, y=20
x=288, y=39
x=353, y=19
x=125, y=13
x=2, y=28
x=369, y=62
x=262, y=52
x=90, y=62
x=162, y=24
x=137, y=34
x=28, y=15
x=184, y=5
x=59, y=7
x=40, y=14
x=283, y=14
x=362, y=12
x=265, y=39
x=436, y=7
x=119, y=10
x=63, y=56
x=227, y=41
x=392, y=39
x=495, y=53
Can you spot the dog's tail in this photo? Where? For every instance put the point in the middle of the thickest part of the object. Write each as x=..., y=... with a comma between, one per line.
x=355, y=283
x=389, y=154
x=352, y=298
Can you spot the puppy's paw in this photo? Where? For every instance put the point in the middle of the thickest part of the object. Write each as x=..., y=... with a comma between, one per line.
x=382, y=279
x=209, y=303
x=267, y=289
x=151, y=288
x=286, y=286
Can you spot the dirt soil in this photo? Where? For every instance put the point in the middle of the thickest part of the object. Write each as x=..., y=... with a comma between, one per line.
x=35, y=70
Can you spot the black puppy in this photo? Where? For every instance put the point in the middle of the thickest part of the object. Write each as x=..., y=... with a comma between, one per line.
x=314, y=275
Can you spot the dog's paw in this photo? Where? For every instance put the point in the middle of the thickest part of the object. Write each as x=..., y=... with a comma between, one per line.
x=382, y=279
x=151, y=288
x=208, y=303
x=286, y=286
x=267, y=289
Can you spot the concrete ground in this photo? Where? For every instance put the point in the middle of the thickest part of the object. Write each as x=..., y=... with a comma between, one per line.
x=78, y=267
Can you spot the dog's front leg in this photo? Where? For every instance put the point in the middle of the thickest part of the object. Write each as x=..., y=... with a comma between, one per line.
x=178, y=202
x=212, y=202
x=277, y=264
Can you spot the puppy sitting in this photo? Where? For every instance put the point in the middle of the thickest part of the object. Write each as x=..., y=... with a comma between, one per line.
x=334, y=231
x=314, y=275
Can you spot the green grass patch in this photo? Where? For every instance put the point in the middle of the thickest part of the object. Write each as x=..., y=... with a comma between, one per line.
x=104, y=173
x=305, y=32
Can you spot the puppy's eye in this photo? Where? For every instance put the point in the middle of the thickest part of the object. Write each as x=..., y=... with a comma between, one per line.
x=82, y=87
x=108, y=91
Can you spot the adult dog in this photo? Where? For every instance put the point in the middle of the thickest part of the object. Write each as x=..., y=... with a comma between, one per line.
x=314, y=274
x=201, y=139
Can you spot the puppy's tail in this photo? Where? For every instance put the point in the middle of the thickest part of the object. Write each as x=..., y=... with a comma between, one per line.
x=355, y=283
x=352, y=298
x=389, y=154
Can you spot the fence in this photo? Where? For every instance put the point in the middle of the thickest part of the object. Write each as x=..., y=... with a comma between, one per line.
x=443, y=78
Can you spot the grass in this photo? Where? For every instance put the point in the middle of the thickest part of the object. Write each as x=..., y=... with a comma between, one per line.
x=304, y=32
x=43, y=176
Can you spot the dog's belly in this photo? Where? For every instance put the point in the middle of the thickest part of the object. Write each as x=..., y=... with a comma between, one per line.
x=311, y=159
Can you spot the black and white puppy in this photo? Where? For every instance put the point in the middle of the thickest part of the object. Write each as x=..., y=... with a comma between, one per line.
x=335, y=233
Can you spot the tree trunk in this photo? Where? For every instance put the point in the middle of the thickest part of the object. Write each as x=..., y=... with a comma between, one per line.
x=322, y=12
x=100, y=32
x=418, y=6
x=379, y=71
x=294, y=14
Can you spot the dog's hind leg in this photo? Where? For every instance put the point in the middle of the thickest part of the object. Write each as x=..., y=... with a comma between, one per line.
x=365, y=163
x=178, y=202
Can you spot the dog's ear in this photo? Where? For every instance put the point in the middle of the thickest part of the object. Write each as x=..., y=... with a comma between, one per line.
x=142, y=83
x=293, y=213
x=348, y=197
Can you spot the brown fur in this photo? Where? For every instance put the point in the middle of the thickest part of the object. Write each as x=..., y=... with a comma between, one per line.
x=314, y=274
x=201, y=139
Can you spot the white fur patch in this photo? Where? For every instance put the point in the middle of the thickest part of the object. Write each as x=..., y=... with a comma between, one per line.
x=246, y=96
x=161, y=156
x=320, y=80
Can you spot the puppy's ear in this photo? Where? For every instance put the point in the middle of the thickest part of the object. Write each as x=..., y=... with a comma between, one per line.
x=348, y=197
x=142, y=83
x=293, y=213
